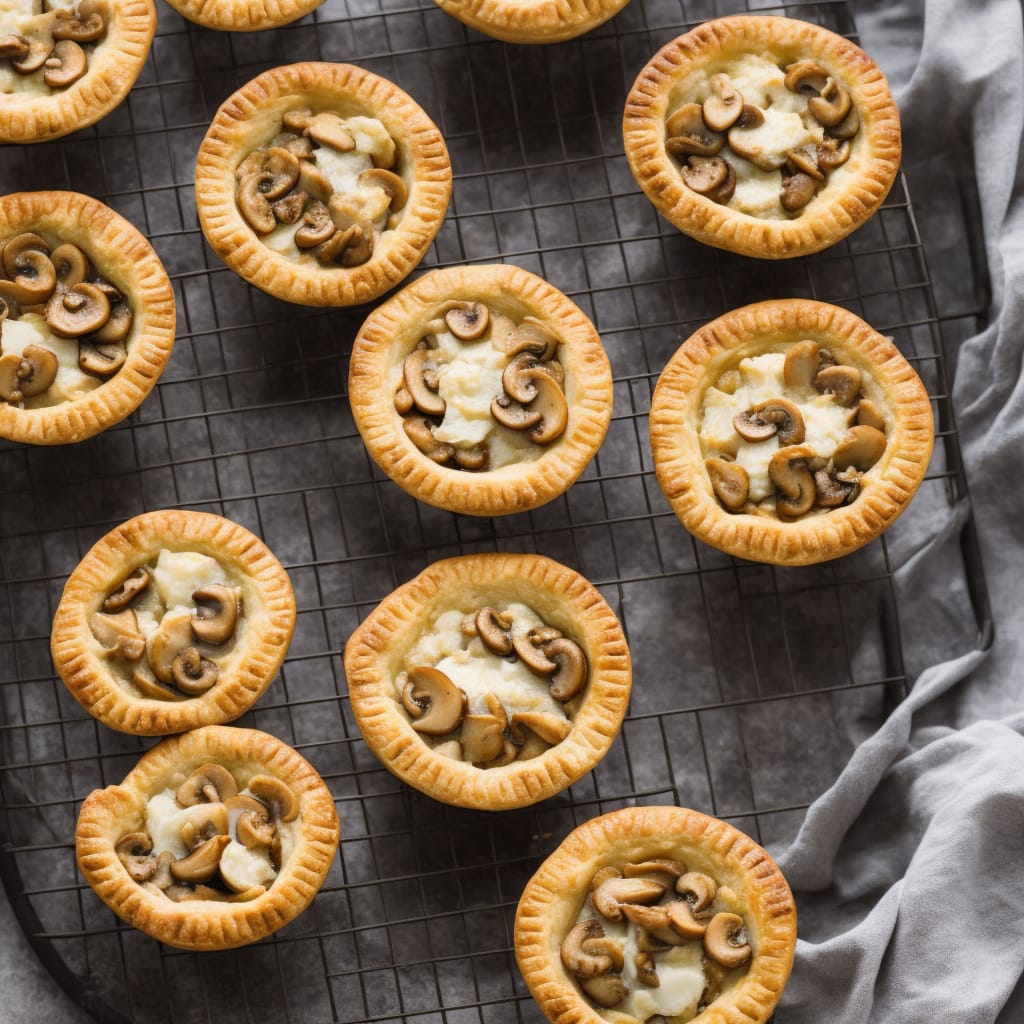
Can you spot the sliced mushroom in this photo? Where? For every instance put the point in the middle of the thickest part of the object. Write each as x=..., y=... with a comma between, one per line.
x=801, y=366
x=211, y=783
x=725, y=940
x=216, y=613
x=723, y=107
x=777, y=416
x=166, y=642
x=418, y=364
x=252, y=164
x=697, y=889
x=833, y=153
x=192, y=673
x=831, y=492
x=11, y=368
x=493, y=629
x=42, y=370
x=135, y=852
x=443, y=701
x=571, y=668
x=609, y=896
x=860, y=448
x=38, y=51
x=532, y=335
x=277, y=795
x=201, y=865
x=805, y=76
x=13, y=46
x=85, y=25
x=729, y=481
x=804, y=161
x=744, y=142
x=390, y=182
x=654, y=922
x=253, y=826
x=607, y=990
x=688, y=135
x=842, y=381
x=869, y=415
x=474, y=458
x=550, y=728
x=578, y=953
x=17, y=247
x=290, y=208
x=317, y=226
x=33, y=280
x=450, y=748
x=682, y=921
x=673, y=868
x=848, y=127
x=832, y=105
x=727, y=189
x=282, y=169
x=403, y=401
x=205, y=822
x=358, y=245
x=646, y=972
x=532, y=654
x=70, y=264
x=65, y=65
x=797, y=191
x=297, y=120
x=117, y=328
x=468, y=320
x=153, y=690
x=512, y=414
x=705, y=174
x=314, y=182
x=481, y=738
x=554, y=409
x=791, y=477
x=329, y=129
x=77, y=311
x=99, y=359
x=119, y=634
x=419, y=431
x=253, y=203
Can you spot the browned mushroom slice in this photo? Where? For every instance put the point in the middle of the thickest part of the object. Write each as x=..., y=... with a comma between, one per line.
x=776, y=416
x=804, y=161
x=253, y=203
x=869, y=415
x=11, y=368
x=38, y=51
x=153, y=690
x=729, y=481
x=85, y=24
x=493, y=629
x=831, y=492
x=34, y=279
x=611, y=893
x=42, y=370
x=282, y=169
x=468, y=320
x=848, y=127
x=277, y=795
x=655, y=923
x=329, y=129
x=860, y=448
x=673, y=868
x=205, y=822
x=512, y=414
x=682, y=921
x=131, y=586
x=192, y=673
x=745, y=143
x=842, y=381
x=314, y=182
x=833, y=153
x=403, y=401
x=253, y=825
x=791, y=477
x=101, y=360
x=578, y=953
x=13, y=46
x=252, y=164
x=481, y=738
x=358, y=246
x=697, y=889
x=607, y=990
x=723, y=107
x=550, y=728
x=725, y=940
x=389, y=181
x=553, y=407
x=201, y=865
x=66, y=64
x=317, y=226
x=797, y=191
x=119, y=634
x=210, y=782
x=532, y=336
x=297, y=120
x=135, y=852
x=419, y=372
x=801, y=365
x=71, y=265
x=419, y=431
x=443, y=703
x=473, y=459
x=289, y=209
x=752, y=427
x=571, y=668
x=166, y=642
x=646, y=972
x=118, y=327
x=805, y=76
x=727, y=189
x=832, y=105
x=530, y=650
x=78, y=311
x=688, y=135
x=216, y=613
x=704, y=174
x=15, y=248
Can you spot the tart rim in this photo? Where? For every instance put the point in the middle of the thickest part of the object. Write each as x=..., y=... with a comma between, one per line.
x=231, y=16
x=532, y=21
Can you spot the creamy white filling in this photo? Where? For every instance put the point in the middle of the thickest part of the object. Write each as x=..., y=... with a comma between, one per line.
x=70, y=382
x=26, y=18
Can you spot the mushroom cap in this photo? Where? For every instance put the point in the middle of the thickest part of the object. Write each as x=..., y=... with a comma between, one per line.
x=34, y=278
x=832, y=105
x=571, y=670
x=532, y=335
x=118, y=327
x=725, y=940
x=253, y=204
x=697, y=889
x=329, y=129
x=80, y=310
x=65, y=65
x=16, y=247
x=164, y=644
x=786, y=417
x=70, y=263
x=805, y=76
x=674, y=868
x=128, y=589
x=192, y=673
x=43, y=370
x=550, y=728
x=576, y=958
x=277, y=795
x=553, y=407
x=847, y=128
x=493, y=629
x=481, y=738
x=834, y=152
x=420, y=432
x=135, y=852
x=801, y=365
x=101, y=359
x=81, y=25
x=446, y=701
x=723, y=107
x=612, y=892
x=730, y=482
x=831, y=492
x=842, y=381
x=682, y=921
x=532, y=654
x=860, y=448
x=38, y=52
x=514, y=415
x=687, y=134
x=869, y=415
x=210, y=782
x=216, y=613
x=654, y=922
x=791, y=477
x=202, y=863
x=13, y=45
x=282, y=169
x=389, y=181
x=797, y=191
x=607, y=990
x=804, y=160
x=425, y=397
x=705, y=174
x=119, y=634
x=468, y=321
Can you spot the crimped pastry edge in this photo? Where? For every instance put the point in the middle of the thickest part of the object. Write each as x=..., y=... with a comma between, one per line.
x=836, y=211
x=392, y=331
x=243, y=15
x=109, y=814
x=118, y=250
x=532, y=21
x=113, y=69
x=551, y=903
x=563, y=598
x=134, y=543
x=679, y=465
x=251, y=116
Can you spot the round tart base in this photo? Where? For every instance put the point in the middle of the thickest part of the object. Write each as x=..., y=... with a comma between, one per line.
x=553, y=898
x=532, y=21
x=719, y=346
x=563, y=598
x=114, y=66
x=837, y=210
x=243, y=15
x=126, y=259
x=109, y=814
x=252, y=116
x=268, y=611
x=392, y=331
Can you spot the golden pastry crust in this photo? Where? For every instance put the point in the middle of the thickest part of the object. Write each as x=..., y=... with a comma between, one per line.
x=719, y=346
x=243, y=15
x=564, y=599
x=532, y=21
x=126, y=259
x=393, y=330
x=109, y=814
x=251, y=117
x=268, y=610
x=114, y=65
x=551, y=904
x=838, y=209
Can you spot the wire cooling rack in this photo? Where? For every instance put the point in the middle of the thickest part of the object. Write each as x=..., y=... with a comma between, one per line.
x=752, y=683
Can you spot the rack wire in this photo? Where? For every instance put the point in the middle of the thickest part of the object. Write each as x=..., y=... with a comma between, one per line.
x=752, y=683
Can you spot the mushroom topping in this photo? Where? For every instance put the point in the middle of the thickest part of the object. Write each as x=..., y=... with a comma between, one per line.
x=403, y=401
x=358, y=245
x=674, y=868
x=804, y=160
x=289, y=209
x=725, y=940
x=252, y=164
x=419, y=372
x=532, y=654
x=390, y=182
x=468, y=320
x=281, y=170
x=13, y=45
x=723, y=107
x=418, y=431
x=211, y=783
x=797, y=191
x=551, y=404
x=135, y=852
x=687, y=134
x=77, y=311
x=153, y=690
x=38, y=51
x=833, y=153
x=85, y=25
x=791, y=477
x=11, y=368
x=329, y=129
x=42, y=370
x=131, y=586
x=65, y=65
x=860, y=448
x=848, y=127
x=832, y=105
x=805, y=76
x=571, y=668
x=117, y=328
x=512, y=414
x=279, y=797
x=201, y=865
x=869, y=415
x=705, y=174
x=532, y=336
x=99, y=359
x=831, y=493
x=192, y=673
x=216, y=613
x=472, y=458
x=697, y=889
x=34, y=278
x=207, y=821
x=166, y=642
x=612, y=892
x=729, y=481
x=493, y=629
x=655, y=923
x=519, y=377
x=314, y=182
x=297, y=120
x=550, y=728
x=253, y=826
x=841, y=381
x=119, y=634
x=776, y=416
x=583, y=952
x=70, y=264
x=801, y=366
x=17, y=247
x=744, y=142
x=481, y=738
x=607, y=990
x=254, y=205
x=682, y=920
x=646, y=972
x=443, y=703
x=317, y=226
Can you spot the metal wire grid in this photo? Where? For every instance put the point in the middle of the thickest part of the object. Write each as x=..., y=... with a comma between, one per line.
x=752, y=683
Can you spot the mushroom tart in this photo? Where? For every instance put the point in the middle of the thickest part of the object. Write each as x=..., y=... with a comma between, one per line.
x=656, y=914
x=766, y=136
x=64, y=64
x=482, y=390
x=215, y=839
x=173, y=620
x=789, y=432
x=532, y=21
x=322, y=184
x=86, y=317
x=243, y=15
x=490, y=681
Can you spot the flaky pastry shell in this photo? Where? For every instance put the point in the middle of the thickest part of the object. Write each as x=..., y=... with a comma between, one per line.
x=243, y=15
x=114, y=65
x=268, y=610
x=564, y=599
x=553, y=899
x=719, y=346
x=392, y=331
x=532, y=21
x=838, y=209
x=252, y=116
x=109, y=814
x=125, y=257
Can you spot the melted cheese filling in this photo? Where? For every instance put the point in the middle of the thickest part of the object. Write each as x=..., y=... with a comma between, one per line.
x=70, y=382
x=26, y=18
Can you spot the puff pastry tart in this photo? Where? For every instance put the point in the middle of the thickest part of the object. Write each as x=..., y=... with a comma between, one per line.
x=656, y=914
x=789, y=432
x=243, y=15
x=86, y=317
x=766, y=136
x=322, y=184
x=532, y=21
x=482, y=390
x=173, y=620
x=64, y=64
x=215, y=838
x=490, y=681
